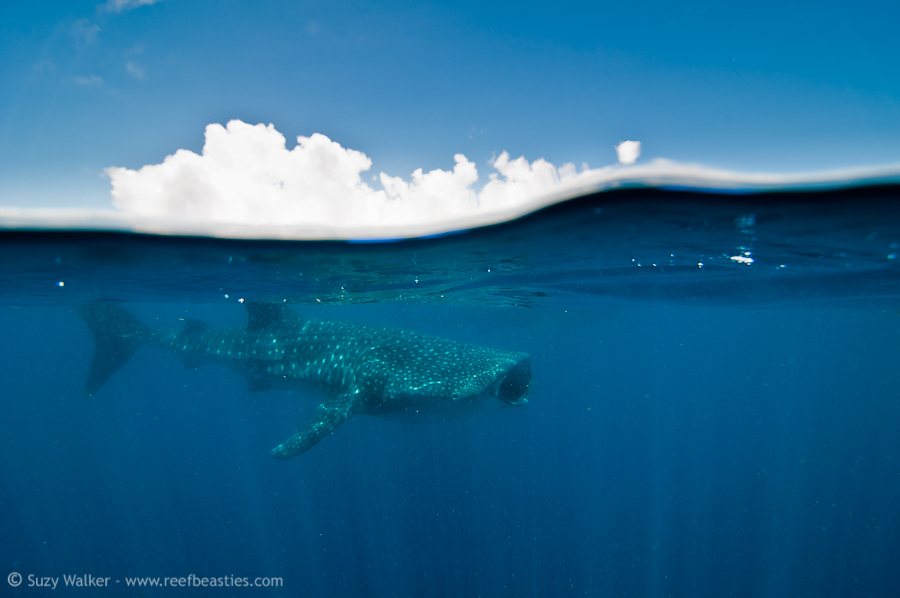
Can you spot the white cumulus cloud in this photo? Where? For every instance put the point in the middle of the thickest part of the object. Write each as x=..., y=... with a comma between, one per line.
x=436, y=194
x=518, y=180
x=628, y=151
x=246, y=175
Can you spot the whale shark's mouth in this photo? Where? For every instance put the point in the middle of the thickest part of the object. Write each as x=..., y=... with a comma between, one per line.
x=515, y=388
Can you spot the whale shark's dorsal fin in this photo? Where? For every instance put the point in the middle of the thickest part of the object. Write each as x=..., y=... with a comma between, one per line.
x=192, y=326
x=265, y=316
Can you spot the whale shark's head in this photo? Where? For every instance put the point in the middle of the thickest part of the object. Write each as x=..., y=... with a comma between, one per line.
x=515, y=387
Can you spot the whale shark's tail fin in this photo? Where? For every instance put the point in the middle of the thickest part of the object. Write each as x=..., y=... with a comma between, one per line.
x=117, y=334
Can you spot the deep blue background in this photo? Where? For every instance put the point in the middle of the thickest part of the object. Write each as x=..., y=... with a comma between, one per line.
x=667, y=451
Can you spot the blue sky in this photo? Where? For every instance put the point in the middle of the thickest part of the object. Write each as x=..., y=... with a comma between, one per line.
x=754, y=86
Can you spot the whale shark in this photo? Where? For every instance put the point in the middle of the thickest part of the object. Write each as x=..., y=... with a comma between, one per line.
x=358, y=368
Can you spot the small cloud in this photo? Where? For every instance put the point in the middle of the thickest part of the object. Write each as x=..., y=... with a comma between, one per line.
x=119, y=6
x=312, y=27
x=92, y=81
x=85, y=30
x=45, y=65
x=628, y=151
x=135, y=70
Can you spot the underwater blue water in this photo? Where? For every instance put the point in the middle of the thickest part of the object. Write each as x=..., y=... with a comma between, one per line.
x=729, y=429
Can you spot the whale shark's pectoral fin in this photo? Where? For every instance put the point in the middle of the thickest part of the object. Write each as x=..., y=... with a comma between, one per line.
x=329, y=415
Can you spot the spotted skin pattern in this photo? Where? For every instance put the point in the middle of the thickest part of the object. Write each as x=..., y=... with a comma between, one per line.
x=360, y=368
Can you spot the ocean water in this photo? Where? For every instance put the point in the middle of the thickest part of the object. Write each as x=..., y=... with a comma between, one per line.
x=715, y=410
